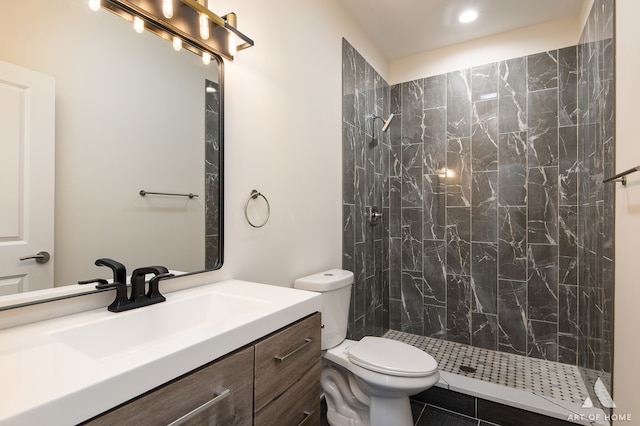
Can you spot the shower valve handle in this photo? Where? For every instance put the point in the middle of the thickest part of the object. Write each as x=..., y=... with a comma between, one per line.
x=375, y=217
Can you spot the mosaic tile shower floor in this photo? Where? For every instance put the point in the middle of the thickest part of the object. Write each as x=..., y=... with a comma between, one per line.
x=551, y=379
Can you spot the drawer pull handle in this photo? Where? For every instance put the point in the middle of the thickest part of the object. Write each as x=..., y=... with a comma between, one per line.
x=306, y=343
x=219, y=397
x=307, y=416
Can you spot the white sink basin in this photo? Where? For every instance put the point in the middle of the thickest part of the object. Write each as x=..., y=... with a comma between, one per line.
x=140, y=329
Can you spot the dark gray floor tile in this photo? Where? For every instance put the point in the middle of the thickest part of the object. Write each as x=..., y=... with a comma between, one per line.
x=416, y=410
x=432, y=416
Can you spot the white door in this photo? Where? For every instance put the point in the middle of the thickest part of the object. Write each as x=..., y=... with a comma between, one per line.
x=27, y=149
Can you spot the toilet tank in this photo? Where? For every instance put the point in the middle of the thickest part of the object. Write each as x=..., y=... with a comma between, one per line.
x=335, y=288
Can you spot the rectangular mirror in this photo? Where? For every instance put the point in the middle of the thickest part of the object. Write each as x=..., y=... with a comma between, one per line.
x=131, y=114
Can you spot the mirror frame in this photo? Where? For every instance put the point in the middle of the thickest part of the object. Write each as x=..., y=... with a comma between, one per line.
x=220, y=199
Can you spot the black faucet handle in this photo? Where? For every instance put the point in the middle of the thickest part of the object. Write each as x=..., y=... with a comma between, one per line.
x=138, y=275
x=154, y=291
x=119, y=283
x=138, y=280
x=118, y=269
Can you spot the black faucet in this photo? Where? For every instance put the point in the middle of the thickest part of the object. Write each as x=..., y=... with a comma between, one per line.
x=118, y=269
x=139, y=297
x=121, y=302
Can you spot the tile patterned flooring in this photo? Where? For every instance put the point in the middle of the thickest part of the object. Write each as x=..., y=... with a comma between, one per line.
x=551, y=379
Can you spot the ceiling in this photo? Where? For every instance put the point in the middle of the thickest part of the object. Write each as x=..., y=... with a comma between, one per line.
x=403, y=28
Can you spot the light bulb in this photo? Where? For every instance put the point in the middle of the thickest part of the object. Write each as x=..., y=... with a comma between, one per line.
x=138, y=24
x=206, y=58
x=233, y=48
x=177, y=44
x=167, y=8
x=468, y=16
x=94, y=5
x=204, y=26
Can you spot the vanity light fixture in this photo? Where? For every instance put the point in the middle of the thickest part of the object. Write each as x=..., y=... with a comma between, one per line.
x=233, y=41
x=184, y=23
x=468, y=16
x=138, y=24
x=204, y=27
x=177, y=44
x=167, y=8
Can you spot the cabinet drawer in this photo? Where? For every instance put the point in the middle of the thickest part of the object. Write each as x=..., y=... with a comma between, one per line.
x=299, y=405
x=283, y=358
x=171, y=401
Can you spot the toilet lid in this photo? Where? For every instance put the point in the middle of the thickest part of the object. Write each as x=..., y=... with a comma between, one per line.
x=391, y=357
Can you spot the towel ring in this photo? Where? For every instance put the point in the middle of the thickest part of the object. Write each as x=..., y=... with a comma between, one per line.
x=255, y=194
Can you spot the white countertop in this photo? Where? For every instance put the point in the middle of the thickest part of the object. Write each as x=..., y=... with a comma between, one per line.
x=47, y=380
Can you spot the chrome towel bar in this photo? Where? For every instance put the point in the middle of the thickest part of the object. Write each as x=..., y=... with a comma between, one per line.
x=144, y=193
x=622, y=177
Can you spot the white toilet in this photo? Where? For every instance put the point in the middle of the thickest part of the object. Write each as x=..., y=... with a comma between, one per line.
x=366, y=382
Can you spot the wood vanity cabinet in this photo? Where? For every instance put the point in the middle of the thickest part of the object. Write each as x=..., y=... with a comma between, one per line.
x=287, y=375
x=171, y=401
x=274, y=381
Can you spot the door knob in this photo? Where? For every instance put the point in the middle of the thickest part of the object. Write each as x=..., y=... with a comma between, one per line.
x=41, y=257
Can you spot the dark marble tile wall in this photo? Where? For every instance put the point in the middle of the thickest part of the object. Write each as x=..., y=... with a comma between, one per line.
x=366, y=184
x=498, y=231
x=212, y=176
x=594, y=223
x=486, y=256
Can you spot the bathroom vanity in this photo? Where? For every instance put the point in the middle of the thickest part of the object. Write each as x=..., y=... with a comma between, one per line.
x=232, y=352
x=275, y=380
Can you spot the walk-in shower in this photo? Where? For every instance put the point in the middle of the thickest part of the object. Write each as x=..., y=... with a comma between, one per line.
x=501, y=255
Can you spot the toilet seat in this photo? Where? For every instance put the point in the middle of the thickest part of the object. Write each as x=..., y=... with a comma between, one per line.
x=391, y=357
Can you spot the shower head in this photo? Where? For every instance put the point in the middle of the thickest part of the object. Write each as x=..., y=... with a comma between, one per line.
x=385, y=123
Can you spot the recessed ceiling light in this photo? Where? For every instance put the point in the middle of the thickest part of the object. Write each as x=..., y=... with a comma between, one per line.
x=468, y=16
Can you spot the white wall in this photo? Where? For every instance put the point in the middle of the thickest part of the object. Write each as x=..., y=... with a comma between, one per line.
x=283, y=137
x=512, y=44
x=627, y=288
x=585, y=10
